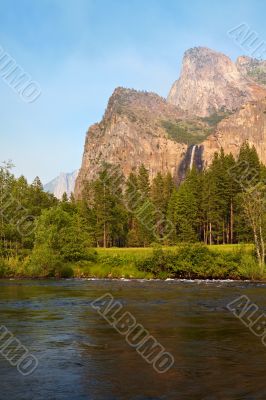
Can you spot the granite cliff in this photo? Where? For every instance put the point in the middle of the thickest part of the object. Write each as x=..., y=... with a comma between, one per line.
x=210, y=82
x=215, y=103
x=132, y=133
x=246, y=125
x=253, y=69
x=63, y=183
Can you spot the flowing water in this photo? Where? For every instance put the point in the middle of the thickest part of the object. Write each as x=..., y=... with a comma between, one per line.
x=82, y=357
x=192, y=157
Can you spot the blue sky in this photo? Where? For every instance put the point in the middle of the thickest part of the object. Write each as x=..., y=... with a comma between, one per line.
x=79, y=51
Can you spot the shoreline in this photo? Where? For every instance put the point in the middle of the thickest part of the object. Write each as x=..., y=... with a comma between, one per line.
x=173, y=280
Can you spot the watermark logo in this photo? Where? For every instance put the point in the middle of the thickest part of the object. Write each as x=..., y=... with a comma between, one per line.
x=142, y=208
x=16, y=353
x=135, y=334
x=14, y=213
x=248, y=40
x=17, y=79
x=250, y=315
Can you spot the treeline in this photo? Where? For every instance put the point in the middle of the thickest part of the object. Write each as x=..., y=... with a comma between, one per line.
x=213, y=206
x=21, y=204
x=209, y=206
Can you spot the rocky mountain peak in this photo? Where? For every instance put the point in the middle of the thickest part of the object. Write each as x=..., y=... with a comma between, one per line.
x=63, y=183
x=210, y=82
x=132, y=132
x=128, y=101
x=215, y=103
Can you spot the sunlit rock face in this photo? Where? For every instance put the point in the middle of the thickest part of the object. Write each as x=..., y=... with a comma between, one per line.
x=210, y=82
x=246, y=125
x=214, y=104
x=252, y=69
x=131, y=133
x=63, y=183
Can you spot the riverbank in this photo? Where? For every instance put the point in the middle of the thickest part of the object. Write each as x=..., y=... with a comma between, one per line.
x=194, y=261
x=191, y=261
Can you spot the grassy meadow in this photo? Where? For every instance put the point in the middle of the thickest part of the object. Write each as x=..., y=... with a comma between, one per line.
x=141, y=252
x=224, y=262
x=184, y=261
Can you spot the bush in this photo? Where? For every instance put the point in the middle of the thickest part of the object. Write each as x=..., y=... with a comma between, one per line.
x=66, y=272
x=3, y=268
x=250, y=267
x=45, y=262
x=194, y=261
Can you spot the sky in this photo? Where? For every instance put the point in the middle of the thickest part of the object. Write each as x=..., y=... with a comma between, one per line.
x=79, y=51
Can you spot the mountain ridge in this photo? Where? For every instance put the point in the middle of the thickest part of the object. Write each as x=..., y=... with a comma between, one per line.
x=215, y=79
x=63, y=183
x=140, y=127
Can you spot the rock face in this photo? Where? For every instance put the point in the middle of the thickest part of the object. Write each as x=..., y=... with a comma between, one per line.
x=210, y=82
x=214, y=104
x=246, y=125
x=252, y=69
x=131, y=133
x=65, y=182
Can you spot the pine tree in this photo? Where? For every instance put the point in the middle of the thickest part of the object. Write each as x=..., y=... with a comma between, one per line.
x=246, y=174
x=219, y=200
x=183, y=211
x=143, y=182
x=106, y=199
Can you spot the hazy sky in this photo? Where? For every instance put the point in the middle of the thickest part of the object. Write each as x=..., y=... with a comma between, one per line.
x=79, y=51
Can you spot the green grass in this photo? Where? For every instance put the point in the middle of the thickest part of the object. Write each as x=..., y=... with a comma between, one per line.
x=196, y=261
x=102, y=270
x=117, y=262
x=128, y=252
x=231, y=247
x=235, y=261
x=142, y=252
x=126, y=262
x=114, y=263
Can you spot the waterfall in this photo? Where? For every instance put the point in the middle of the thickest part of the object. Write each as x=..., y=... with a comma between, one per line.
x=192, y=157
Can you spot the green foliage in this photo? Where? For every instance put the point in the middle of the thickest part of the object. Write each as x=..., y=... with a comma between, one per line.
x=20, y=205
x=194, y=131
x=107, y=214
x=208, y=207
x=62, y=233
x=218, y=200
x=189, y=132
x=250, y=268
x=213, y=119
x=109, y=267
x=66, y=272
x=194, y=261
x=183, y=210
x=45, y=262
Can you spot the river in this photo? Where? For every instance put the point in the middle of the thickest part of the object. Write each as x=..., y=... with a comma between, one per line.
x=80, y=356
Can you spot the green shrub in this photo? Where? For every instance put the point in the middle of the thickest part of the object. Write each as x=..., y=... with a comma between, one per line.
x=189, y=132
x=249, y=267
x=195, y=261
x=3, y=268
x=45, y=262
x=66, y=272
